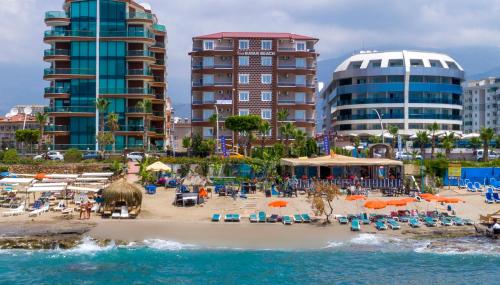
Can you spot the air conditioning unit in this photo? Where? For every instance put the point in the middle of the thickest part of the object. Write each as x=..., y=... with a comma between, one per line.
x=286, y=58
x=229, y=75
x=221, y=92
x=287, y=75
x=286, y=92
x=223, y=58
x=228, y=91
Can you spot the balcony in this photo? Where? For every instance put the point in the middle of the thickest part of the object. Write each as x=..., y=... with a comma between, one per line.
x=435, y=101
x=141, y=53
x=56, y=18
x=294, y=49
x=140, y=73
x=140, y=17
x=216, y=48
x=56, y=92
x=435, y=117
x=295, y=66
x=295, y=84
x=70, y=109
x=136, y=110
x=159, y=28
x=215, y=83
x=56, y=128
x=127, y=91
x=369, y=117
x=299, y=120
x=295, y=102
x=159, y=45
x=53, y=35
x=213, y=66
x=397, y=100
x=68, y=73
x=56, y=54
x=158, y=114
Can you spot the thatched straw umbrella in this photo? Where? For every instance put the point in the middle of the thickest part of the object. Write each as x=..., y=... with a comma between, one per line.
x=121, y=191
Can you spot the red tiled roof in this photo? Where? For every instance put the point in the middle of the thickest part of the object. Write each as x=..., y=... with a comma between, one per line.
x=17, y=118
x=255, y=35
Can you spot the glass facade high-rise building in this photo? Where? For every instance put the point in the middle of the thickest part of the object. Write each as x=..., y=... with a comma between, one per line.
x=131, y=69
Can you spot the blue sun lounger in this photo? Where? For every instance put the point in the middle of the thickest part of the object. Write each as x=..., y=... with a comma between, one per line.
x=457, y=221
x=262, y=217
x=496, y=197
x=379, y=225
x=429, y=221
x=446, y=222
x=232, y=218
x=355, y=225
x=306, y=218
x=488, y=198
x=393, y=224
x=297, y=218
x=478, y=186
x=215, y=217
x=364, y=219
x=343, y=220
x=286, y=220
x=470, y=187
x=253, y=218
x=414, y=223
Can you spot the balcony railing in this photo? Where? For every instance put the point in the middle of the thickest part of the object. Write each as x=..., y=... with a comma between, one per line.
x=159, y=28
x=295, y=84
x=139, y=72
x=158, y=113
x=55, y=15
x=295, y=66
x=435, y=101
x=52, y=52
x=68, y=71
x=142, y=91
x=70, y=109
x=285, y=101
x=371, y=101
x=140, y=53
x=220, y=48
x=159, y=45
x=369, y=117
x=215, y=83
x=54, y=33
x=139, y=16
x=217, y=65
x=56, y=128
x=160, y=62
x=435, y=116
x=136, y=110
x=294, y=119
x=56, y=90
x=104, y=34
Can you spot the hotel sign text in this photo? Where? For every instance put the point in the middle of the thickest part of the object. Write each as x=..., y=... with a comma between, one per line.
x=256, y=53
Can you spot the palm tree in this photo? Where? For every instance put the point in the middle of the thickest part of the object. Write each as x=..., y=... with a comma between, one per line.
x=146, y=107
x=486, y=134
x=113, y=126
x=422, y=139
x=41, y=120
x=433, y=128
x=287, y=130
x=449, y=143
x=475, y=143
x=102, y=105
x=393, y=130
x=213, y=121
x=264, y=129
x=282, y=116
x=300, y=141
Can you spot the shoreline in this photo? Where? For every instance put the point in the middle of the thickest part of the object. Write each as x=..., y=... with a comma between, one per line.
x=69, y=234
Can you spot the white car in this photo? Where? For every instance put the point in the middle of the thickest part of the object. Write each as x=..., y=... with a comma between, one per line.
x=136, y=156
x=492, y=155
x=50, y=155
x=407, y=156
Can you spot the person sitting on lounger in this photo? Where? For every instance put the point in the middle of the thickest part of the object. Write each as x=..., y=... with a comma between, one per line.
x=495, y=227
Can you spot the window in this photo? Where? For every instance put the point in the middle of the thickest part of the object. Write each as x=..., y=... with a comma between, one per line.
x=207, y=113
x=244, y=60
x=208, y=79
x=300, y=80
x=244, y=44
x=208, y=132
x=266, y=96
x=243, y=78
x=300, y=62
x=244, y=95
x=208, y=61
x=266, y=45
x=300, y=46
x=375, y=63
x=208, y=97
x=243, y=112
x=266, y=78
x=395, y=62
x=266, y=61
x=300, y=115
x=208, y=45
x=266, y=114
x=300, y=97
x=435, y=63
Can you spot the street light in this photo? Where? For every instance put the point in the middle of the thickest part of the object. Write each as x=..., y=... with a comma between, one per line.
x=216, y=129
x=381, y=124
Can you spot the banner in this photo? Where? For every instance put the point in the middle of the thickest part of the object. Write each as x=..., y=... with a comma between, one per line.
x=326, y=145
x=223, y=145
x=454, y=170
x=400, y=144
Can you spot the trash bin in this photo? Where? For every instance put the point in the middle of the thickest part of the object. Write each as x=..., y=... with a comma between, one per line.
x=151, y=189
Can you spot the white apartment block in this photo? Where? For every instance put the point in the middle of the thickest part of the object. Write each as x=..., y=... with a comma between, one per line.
x=481, y=105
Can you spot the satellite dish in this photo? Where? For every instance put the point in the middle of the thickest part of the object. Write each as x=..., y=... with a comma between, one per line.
x=28, y=110
x=14, y=111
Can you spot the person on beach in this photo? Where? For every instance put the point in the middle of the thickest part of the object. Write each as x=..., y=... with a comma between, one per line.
x=82, y=211
x=495, y=227
x=88, y=209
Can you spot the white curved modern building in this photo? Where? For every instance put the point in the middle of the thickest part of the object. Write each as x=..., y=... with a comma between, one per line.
x=409, y=89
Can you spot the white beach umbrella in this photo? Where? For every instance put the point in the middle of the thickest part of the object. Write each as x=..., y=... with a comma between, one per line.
x=348, y=147
x=470, y=136
x=353, y=135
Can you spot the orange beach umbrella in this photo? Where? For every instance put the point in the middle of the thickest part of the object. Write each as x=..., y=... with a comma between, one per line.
x=40, y=176
x=397, y=203
x=278, y=204
x=449, y=200
x=355, y=197
x=375, y=204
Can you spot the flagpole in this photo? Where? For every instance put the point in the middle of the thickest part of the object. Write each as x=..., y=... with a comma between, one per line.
x=97, y=73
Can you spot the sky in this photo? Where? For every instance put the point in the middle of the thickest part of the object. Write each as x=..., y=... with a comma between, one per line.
x=343, y=26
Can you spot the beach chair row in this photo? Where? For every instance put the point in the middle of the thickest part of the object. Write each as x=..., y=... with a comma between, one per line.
x=261, y=217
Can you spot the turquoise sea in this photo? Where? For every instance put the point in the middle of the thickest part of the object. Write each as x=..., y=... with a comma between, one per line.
x=364, y=260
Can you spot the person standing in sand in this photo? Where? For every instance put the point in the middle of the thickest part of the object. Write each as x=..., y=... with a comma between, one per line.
x=88, y=209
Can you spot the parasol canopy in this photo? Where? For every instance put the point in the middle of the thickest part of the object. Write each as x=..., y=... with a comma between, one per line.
x=449, y=200
x=158, y=166
x=193, y=180
x=278, y=204
x=355, y=197
x=40, y=176
x=122, y=191
x=375, y=204
x=397, y=203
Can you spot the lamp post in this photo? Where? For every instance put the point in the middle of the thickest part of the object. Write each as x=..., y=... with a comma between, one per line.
x=381, y=124
x=97, y=71
x=216, y=129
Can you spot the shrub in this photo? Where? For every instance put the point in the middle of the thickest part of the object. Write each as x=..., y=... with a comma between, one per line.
x=73, y=155
x=10, y=157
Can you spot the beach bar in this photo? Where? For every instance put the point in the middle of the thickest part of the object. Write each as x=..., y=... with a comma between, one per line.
x=342, y=170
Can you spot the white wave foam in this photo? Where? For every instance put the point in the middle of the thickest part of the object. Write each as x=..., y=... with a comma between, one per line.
x=367, y=239
x=89, y=246
x=160, y=244
x=460, y=247
x=333, y=244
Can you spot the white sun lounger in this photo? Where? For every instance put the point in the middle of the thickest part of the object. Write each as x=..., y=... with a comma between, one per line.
x=124, y=213
x=40, y=211
x=17, y=211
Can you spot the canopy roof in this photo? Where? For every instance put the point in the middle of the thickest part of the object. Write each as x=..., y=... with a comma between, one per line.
x=47, y=189
x=82, y=189
x=158, y=166
x=339, y=160
x=97, y=174
x=16, y=180
x=122, y=191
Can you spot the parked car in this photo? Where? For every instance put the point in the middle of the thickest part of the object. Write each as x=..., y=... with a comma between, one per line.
x=92, y=155
x=136, y=156
x=50, y=155
x=406, y=156
x=492, y=155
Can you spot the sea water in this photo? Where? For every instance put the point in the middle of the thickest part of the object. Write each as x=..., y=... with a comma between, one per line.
x=366, y=259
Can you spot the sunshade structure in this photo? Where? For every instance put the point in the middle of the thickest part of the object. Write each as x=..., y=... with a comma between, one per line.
x=121, y=193
x=340, y=160
x=158, y=166
x=195, y=180
x=355, y=197
x=278, y=204
x=375, y=204
x=470, y=136
x=16, y=181
x=97, y=174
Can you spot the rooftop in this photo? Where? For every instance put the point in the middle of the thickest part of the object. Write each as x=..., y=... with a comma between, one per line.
x=262, y=35
x=17, y=118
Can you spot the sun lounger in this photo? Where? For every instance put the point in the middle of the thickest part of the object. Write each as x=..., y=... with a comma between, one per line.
x=365, y=220
x=414, y=223
x=297, y=218
x=236, y=217
x=215, y=217
x=429, y=221
x=232, y=218
x=60, y=206
x=393, y=224
x=468, y=222
x=379, y=225
x=262, y=217
x=286, y=220
x=404, y=219
x=496, y=197
x=67, y=211
x=306, y=218
x=355, y=225
x=478, y=186
x=488, y=198
x=124, y=213
x=462, y=184
x=343, y=220
x=446, y=222
x=17, y=211
x=116, y=214
x=253, y=218
x=40, y=211
x=470, y=187
x=272, y=219
x=457, y=221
